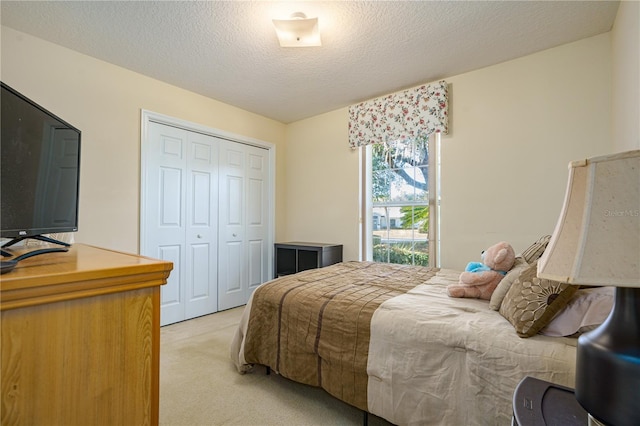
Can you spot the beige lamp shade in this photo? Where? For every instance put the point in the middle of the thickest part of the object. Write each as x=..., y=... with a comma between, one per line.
x=597, y=238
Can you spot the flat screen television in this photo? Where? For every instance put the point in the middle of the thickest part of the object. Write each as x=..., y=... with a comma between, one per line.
x=39, y=171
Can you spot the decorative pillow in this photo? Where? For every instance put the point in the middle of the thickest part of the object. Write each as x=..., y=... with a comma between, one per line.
x=587, y=309
x=505, y=284
x=532, y=302
x=535, y=250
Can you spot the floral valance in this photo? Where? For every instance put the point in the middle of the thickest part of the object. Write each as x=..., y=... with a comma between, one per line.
x=419, y=111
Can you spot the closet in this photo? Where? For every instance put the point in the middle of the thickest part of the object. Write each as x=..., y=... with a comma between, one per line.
x=205, y=207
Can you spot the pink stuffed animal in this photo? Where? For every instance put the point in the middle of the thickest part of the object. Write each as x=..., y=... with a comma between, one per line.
x=480, y=280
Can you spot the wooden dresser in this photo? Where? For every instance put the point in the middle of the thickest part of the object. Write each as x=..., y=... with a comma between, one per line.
x=81, y=339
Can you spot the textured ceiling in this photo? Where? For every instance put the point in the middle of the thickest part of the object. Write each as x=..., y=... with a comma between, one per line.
x=228, y=50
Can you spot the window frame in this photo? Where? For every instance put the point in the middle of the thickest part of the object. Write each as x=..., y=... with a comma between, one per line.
x=366, y=202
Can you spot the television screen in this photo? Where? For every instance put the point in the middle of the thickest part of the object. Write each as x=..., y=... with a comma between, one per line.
x=39, y=171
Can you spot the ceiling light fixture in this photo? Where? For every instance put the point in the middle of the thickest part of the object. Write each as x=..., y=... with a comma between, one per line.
x=298, y=31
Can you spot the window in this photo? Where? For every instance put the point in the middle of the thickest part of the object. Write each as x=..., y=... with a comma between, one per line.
x=401, y=201
x=400, y=207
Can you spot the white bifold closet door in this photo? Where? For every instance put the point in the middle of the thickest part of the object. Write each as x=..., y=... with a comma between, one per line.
x=205, y=207
x=244, y=218
x=181, y=218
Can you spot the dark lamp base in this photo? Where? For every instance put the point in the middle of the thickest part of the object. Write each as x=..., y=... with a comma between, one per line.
x=608, y=364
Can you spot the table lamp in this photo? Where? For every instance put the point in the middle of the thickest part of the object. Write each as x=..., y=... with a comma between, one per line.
x=596, y=242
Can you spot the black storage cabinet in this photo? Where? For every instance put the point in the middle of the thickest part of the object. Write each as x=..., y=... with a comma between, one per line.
x=296, y=257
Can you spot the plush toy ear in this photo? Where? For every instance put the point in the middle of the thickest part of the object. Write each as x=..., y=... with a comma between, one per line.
x=502, y=254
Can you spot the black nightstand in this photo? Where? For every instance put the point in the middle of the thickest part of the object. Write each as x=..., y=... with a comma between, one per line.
x=296, y=257
x=540, y=403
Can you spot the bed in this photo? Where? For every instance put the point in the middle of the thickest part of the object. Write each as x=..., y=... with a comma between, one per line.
x=387, y=339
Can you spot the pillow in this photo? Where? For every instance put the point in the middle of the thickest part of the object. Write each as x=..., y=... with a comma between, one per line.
x=532, y=302
x=535, y=250
x=505, y=284
x=586, y=310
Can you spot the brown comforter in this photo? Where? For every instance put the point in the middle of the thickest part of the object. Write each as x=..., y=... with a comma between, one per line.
x=314, y=327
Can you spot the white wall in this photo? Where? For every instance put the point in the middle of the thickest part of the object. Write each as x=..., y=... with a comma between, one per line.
x=514, y=128
x=322, y=184
x=104, y=102
x=625, y=111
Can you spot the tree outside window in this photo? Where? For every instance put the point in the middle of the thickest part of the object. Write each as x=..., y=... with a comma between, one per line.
x=400, y=201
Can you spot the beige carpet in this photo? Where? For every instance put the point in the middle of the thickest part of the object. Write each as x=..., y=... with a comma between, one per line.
x=200, y=386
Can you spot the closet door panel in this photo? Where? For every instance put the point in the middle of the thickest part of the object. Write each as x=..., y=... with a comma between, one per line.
x=170, y=296
x=171, y=196
x=232, y=273
x=181, y=217
x=202, y=226
x=233, y=269
x=257, y=210
x=164, y=210
x=233, y=207
x=231, y=287
x=256, y=263
x=201, y=201
x=199, y=285
x=245, y=221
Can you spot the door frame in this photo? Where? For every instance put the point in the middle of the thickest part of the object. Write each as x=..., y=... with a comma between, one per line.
x=147, y=116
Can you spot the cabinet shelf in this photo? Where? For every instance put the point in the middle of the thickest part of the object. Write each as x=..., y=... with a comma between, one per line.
x=294, y=257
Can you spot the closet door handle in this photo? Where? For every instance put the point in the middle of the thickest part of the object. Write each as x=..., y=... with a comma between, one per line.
x=235, y=235
x=199, y=236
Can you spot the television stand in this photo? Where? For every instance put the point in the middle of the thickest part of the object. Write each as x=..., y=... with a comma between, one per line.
x=34, y=237
x=80, y=337
x=8, y=265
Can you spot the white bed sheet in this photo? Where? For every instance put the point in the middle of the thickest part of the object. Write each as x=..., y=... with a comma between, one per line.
x=436, y=360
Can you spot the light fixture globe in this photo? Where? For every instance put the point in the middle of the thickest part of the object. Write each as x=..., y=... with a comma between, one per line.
x=298, y=31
